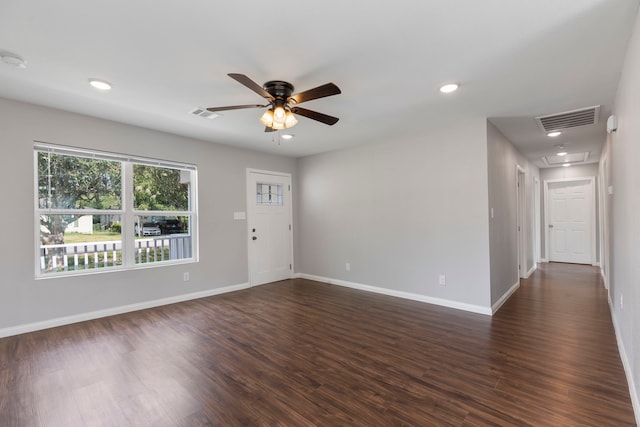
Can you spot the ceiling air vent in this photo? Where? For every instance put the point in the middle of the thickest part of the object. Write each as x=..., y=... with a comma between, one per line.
x=573, y=158
x=202, y=112
x=569, y=119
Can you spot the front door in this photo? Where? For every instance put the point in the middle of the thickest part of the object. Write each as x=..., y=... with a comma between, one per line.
x=269, y=220
x=570, y=221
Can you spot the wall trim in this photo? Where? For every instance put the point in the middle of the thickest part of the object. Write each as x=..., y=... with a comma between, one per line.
x=530, y=272
x=544, y=260
x=67, y=320
x=604, y=281
x=633, y=390
x=495, y=307
x=400, y=294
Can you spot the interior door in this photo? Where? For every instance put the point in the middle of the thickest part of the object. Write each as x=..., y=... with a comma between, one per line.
x=570, y=221
x=269, y=222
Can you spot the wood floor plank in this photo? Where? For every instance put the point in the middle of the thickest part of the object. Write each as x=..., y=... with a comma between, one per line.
x=303, y=353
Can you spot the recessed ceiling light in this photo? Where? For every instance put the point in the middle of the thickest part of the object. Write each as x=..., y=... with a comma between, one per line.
x=450, y=87
x=100, y=84
x=566, y=165
x=286, y=136
x=554, y=134
x=562, y=153
x=11, y=59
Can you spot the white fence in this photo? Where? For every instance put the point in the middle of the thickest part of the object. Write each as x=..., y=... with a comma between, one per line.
x=92, y=255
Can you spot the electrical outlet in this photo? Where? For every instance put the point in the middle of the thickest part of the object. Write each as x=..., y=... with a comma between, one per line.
x=185, y=276
x=347, y=266
x=442, y=280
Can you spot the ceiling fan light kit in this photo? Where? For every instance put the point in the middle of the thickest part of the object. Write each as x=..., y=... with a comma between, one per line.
x=281, y=114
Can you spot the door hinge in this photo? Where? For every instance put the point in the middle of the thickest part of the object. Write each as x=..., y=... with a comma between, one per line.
x=289, y=187
x=289, y=266
x=289, y=227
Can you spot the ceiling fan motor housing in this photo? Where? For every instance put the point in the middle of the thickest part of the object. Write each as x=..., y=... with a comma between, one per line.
x=279, y=89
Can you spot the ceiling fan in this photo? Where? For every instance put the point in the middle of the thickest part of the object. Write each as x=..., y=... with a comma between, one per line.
x=282, y=104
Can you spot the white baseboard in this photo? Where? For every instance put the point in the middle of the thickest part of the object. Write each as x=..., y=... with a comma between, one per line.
x=495, y=307
x=604, y=280
x=633, y=390
x=67, y=320
x=530, y=272
x=543, y=260
x=400, y=294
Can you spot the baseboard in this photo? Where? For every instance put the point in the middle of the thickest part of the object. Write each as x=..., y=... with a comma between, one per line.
x=67, y=320
x=400, y=294
x=543, y=260
x=633, y=390
x=495, y=307
x=604, y=280
x=530, y=272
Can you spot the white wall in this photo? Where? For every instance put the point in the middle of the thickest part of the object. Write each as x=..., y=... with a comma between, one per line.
x=624, y=149
x=223, y=241
x=503, y=160
x=401, y=213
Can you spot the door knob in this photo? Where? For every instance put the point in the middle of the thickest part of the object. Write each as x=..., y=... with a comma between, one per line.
x=254, y=238
x=550, y=225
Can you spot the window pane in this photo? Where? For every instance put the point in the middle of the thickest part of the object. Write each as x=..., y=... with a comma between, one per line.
x=269, y=194
x=68, y=182
x=156, y=243
x=79, y=242
x=78, y=191
x=160, y=189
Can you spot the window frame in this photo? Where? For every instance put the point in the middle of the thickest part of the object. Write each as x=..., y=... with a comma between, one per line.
x=127, y=212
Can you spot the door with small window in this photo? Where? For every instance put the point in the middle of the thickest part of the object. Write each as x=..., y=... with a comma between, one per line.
x=270, y=231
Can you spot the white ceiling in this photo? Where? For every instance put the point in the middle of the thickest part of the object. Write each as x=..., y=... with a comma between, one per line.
x=515, y=60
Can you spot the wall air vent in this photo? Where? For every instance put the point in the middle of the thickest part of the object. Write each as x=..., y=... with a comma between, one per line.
x=202, y=112
x=569, y=119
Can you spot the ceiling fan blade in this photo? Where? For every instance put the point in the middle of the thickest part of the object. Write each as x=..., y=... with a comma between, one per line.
x=327, y=89
x=314, y=115
x=246, y=81
x=234, y=107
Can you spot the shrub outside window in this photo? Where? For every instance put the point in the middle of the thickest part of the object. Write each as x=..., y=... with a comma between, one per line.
x=97, y=211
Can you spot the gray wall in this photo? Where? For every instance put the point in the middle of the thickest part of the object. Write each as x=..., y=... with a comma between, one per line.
x=503, y=160
x=222, y=188
x=401, y=213
x=625, y=252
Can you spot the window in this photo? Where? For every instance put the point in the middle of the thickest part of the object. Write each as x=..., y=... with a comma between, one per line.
x=97, y=211
x=269, y=194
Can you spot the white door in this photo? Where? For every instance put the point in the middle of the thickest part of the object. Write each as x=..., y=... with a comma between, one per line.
x=570, y=221
x=269, y=220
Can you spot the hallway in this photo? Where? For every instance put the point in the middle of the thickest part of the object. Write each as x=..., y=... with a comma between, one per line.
x=563, y=347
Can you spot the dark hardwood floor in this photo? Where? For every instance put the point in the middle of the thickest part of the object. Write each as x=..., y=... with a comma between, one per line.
x=302, y=353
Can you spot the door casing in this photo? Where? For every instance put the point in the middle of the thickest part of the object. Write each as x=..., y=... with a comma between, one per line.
x=592, y=213
x=251, y=206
